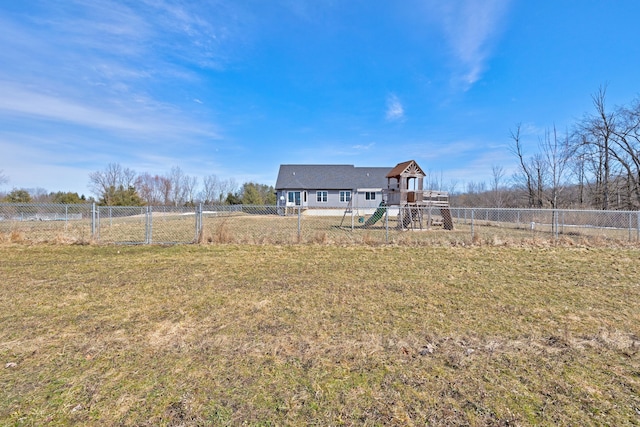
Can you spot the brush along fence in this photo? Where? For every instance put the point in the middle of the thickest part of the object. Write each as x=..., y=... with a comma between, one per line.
x=269, y=224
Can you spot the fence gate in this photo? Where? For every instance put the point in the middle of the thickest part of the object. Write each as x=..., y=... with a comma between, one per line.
x=145, y=224
x=120, y=224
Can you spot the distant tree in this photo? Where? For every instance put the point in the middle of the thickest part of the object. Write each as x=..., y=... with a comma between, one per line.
x=626, y=151
x=257, y=194
x=210, y=190
x=251, y=195
x=105, y=183
x=150, y=188
x=228, y=186
x=452, y=186
x=178, y=179
x=67, y=198
x=556, y=153
x=190, y=186
x=165, y=190
x=233, y=199
x=216, y=190
x=269, y=195
x=596, y=135
x=3, y=178
x=524, y=176
x=18, y=196
x=121, y=196
x=497, y=186
x=39, y=195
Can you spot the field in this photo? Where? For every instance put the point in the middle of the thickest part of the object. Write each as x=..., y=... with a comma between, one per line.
x=237, y=334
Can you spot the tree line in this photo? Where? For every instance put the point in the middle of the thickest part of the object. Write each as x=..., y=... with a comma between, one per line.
x=116, y=185
x=594, y=164
x=120, y=186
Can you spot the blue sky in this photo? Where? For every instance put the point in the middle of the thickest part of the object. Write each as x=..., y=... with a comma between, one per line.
x=237, y=87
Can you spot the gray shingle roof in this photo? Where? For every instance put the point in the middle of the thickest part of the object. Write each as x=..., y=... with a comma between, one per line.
x=330, y=177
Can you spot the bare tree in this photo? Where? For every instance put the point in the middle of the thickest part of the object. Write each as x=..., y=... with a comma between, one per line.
x=525, y=176
x=474, y=194
x=166, y=190
x=578, y=170
x=497, y=188
x=452, y=186
x=556, y=155
x=627, y=151
x=103, y=183
x=190, y=185
x=210, y=189
x=228, y=186
x=177, y=179
x=596, y=134
x=150, y=188
x=433, y=181
x=3, y=178
x=38, y=194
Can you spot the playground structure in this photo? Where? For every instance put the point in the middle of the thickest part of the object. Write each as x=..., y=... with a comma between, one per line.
x=405, y=189
x=377, y=215
x=417, y=208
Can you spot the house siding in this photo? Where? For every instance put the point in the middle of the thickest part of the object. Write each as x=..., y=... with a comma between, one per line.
x=333, y=199
x=332, y=179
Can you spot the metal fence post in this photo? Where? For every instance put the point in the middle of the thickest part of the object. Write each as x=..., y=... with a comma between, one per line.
x=198, y=222
x=149, y=225
x=299, y=223
x=386, y=224
x=146, y=224
x=472, y=224
x=93, y=220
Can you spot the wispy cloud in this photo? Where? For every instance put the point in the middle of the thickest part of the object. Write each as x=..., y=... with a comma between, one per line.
x=470, y=28
x=143, y=118
x=105, y=70
x=86, y=83
x=395, y=110
x=362, y=147
x=103, y=48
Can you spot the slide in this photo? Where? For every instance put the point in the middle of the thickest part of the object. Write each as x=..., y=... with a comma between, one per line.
x=377, y=215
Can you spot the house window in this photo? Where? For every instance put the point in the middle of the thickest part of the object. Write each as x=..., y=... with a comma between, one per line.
x=345, y=196
x=369, y=195
x=322, y=196
x=294, y=197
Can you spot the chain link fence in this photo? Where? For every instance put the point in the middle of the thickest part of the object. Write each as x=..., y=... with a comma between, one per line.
x=277, y=225
x=45, y=222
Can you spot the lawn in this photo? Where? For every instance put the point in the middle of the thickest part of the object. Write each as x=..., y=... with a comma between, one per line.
x=319, y=335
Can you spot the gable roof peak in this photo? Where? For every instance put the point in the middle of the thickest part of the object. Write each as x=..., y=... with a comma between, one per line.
x=408, y=168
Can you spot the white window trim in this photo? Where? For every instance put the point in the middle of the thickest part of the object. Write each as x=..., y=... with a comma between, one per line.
x=322, y=196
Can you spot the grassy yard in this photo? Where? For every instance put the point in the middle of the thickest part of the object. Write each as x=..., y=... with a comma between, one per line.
x=255, y=228
x=319, y=335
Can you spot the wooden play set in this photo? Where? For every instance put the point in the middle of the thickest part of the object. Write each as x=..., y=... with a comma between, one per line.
x=416, y=206
x=405, y=189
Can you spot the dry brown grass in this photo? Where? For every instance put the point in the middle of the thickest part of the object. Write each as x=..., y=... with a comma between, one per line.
x=243, y=228
x=320, y=335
